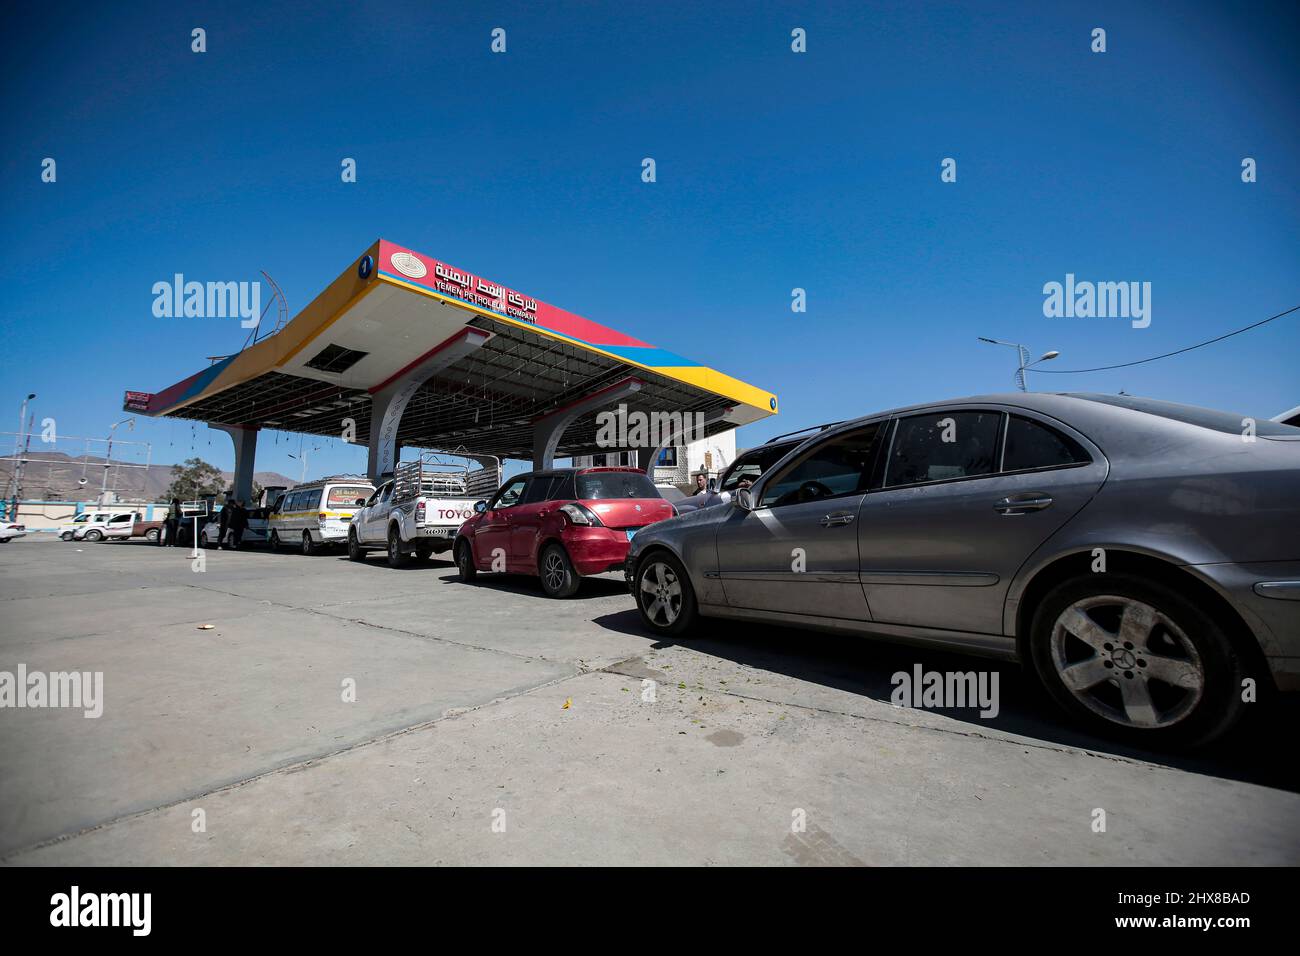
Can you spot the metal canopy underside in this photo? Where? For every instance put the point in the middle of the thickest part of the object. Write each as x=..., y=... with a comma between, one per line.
x=383, y=324
x=486, y=402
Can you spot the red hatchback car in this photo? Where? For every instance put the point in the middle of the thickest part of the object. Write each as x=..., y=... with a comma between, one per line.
x=559, y=525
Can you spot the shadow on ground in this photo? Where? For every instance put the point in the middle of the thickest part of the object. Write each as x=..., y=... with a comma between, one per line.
x=1256, y=751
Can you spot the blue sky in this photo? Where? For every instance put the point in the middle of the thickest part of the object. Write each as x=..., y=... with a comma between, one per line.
x=775, y=171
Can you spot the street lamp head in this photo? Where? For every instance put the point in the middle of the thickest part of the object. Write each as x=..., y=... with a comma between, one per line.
x=1049, y=355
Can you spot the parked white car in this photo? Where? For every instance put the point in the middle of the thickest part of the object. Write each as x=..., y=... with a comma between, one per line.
x=10, y=530
x=117, y=524
x=419, y=510
x=254, y=533
x=80, y=523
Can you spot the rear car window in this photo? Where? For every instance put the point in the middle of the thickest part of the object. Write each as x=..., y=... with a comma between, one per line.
x=346, y=497
x=941, y=446
x=595, y=485
x=1032, y=444
x=1229, y=423
x=541, y=488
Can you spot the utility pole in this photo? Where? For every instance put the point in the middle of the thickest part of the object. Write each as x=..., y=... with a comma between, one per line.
x=108, y=461
x=21, y=447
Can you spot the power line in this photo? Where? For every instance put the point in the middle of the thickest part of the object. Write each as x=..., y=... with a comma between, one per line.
x=1106, y=368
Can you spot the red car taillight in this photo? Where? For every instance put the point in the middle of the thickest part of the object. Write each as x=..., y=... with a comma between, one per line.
x=419, y=511
x=580, y=514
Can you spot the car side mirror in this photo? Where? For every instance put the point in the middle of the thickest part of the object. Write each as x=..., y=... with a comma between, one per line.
x=360, y=502
x=744, y=499
x=480, y=507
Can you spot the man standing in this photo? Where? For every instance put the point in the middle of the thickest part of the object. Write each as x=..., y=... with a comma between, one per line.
x=223, y=521
x=172, y=526
x=238, y=522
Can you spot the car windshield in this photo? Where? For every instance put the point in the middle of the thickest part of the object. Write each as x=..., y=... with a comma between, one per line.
x=595, y=485
x=670, y=493
x=752, y=464
x=1226, y=422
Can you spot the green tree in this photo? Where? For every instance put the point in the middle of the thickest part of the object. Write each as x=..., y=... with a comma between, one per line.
x=194, y=479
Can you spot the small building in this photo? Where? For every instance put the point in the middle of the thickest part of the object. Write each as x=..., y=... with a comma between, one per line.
x=677, y=464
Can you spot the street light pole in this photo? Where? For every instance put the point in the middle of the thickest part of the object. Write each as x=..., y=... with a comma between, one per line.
x=108, y=460
x=20, y=452
x=1023, y=354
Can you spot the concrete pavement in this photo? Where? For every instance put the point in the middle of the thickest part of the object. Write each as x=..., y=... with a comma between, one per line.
x=760, y=745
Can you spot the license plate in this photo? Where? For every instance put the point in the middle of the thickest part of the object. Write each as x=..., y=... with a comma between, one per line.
x=630, y=533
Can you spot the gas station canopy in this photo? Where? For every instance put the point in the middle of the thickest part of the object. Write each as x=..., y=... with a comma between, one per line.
x=416, y=352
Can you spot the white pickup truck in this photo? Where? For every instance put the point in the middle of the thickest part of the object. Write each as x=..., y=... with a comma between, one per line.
x=419, y=510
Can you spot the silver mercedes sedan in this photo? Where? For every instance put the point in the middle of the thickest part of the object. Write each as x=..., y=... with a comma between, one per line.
x=1143, y=557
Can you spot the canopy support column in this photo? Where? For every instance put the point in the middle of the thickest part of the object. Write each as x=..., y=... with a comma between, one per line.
x=245, y=439
x=390, y=398
x=549, y=428
x=671, y=439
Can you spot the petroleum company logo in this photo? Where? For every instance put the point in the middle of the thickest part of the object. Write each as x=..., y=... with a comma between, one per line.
x=408, y=265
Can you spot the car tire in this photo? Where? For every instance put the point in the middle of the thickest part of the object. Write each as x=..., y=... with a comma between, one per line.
x=559, y=579
x=355, y=552
x=274, y=542
x=152, y=535
x=66, y=536
x=397, y=558
x=1135, y=659
x=94, y=535
x=465, y=568
x=423, y=552
x=308, y=546
x=664, y=595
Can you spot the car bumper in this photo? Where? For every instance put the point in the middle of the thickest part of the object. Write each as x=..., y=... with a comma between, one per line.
x=444, y=533
x=596, y=550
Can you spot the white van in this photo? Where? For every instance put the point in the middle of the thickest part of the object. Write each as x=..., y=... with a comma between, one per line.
x=317, y=514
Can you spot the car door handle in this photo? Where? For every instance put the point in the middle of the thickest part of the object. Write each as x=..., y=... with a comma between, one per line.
x=1021, y=504
x=831, y=521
